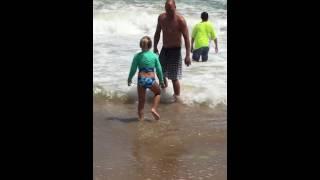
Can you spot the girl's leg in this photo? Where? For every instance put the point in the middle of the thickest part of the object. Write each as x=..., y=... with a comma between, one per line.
x=156, y=90
x=141, y=97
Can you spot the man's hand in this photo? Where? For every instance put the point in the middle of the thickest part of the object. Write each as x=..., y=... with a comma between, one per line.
x=155, y=50
x=216, y=50
x=187, y=61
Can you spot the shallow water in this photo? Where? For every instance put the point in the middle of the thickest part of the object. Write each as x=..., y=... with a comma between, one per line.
x=186, y=143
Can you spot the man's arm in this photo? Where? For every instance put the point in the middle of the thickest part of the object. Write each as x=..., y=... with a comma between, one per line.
x=192, y=40
x=193, y=36
x=214, y=38
x=185, y=34
x=157, y=37
x=159, y=72
x=216, y=44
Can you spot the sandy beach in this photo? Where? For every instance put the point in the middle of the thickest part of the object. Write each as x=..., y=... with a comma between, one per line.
x=186, y=143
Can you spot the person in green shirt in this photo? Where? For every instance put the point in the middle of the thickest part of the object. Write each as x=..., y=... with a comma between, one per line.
x=147, y=61
x=202, y=33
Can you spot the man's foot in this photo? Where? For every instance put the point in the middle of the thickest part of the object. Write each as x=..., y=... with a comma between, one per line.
x=140, y=118
x=155, y=115
x=176, y=98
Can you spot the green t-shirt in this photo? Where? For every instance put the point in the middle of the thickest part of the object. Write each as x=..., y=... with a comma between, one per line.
x=146, y=59
x=202, y=33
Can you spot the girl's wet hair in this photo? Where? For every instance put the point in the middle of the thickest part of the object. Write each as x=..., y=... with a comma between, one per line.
x=145, y=42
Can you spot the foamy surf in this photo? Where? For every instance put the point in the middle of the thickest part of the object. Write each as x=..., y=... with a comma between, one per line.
x=191, y=96
x=117, y=29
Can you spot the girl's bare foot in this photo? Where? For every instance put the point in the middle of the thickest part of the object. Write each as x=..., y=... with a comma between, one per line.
x=155, y=115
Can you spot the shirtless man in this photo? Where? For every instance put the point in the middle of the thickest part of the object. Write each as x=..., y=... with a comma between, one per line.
x=173, y=25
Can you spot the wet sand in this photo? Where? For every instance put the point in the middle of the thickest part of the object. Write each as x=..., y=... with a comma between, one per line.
x=186, y=143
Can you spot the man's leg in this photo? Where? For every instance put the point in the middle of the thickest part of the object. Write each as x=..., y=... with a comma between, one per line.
x=162, y=59
x=196, y=55
x=176, y=89
x=204, y=54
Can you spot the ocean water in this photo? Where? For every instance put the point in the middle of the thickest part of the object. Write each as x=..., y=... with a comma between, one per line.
x=117, y=29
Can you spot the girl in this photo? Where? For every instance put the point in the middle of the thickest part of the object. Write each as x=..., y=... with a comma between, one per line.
x=147, y=61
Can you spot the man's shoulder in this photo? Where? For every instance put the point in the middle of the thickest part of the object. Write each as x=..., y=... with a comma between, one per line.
x=180, y=17
x=197, y=24
x=209, y=23
x=162, y=15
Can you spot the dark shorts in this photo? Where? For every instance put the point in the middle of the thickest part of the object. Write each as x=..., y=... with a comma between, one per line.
x=203, y=52
x=171, y=62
